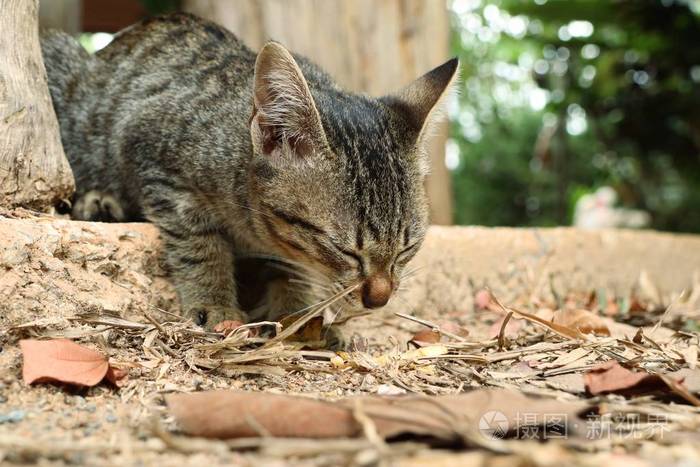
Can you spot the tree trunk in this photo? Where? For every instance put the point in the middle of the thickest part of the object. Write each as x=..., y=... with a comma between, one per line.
x=368, y=46
x=34, y=172
x=64, y=15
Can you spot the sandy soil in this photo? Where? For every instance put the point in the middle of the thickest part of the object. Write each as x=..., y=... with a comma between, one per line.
x=69, y=279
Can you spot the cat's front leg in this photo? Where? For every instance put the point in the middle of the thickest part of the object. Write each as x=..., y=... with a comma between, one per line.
x=202, y=267
x=282, y=297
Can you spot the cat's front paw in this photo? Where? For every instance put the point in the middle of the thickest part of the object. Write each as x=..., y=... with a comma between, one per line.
x=97, y=206
x=335, y=339
x=209, y=316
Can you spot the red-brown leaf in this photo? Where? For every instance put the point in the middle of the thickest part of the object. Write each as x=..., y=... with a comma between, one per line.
x=482, y=299
x=583, y=320
x=611, y=377
x=231, y=414
x=226, y=414
x=64, y=361
x=426, y=336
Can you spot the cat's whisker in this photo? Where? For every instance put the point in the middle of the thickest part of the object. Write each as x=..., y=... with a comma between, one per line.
x=332, y=320
x=408, y=305
x=310, y=283
x=286, y=263
x=412, y=272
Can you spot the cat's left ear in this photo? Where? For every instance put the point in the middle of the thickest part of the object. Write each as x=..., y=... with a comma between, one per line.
x=285, y=119
x=421, y=102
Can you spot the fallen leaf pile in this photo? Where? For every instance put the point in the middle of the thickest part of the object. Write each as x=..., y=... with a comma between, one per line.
x=463, y=379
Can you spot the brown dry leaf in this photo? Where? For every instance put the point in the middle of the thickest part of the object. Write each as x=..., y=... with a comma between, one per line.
x=230, y=414
x=116, y=376
x=311, y=331
x=426, y=336
x=564, y=331
x=611, y=377
x=228, y=326
x=482, y=299
x=585, y=321
x=65, y=361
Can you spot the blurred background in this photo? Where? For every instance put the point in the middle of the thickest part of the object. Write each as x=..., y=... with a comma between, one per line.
x=569, y=112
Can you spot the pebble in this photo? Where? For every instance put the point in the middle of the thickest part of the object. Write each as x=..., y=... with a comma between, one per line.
x=92, y=428
x=13, y=416
x=90, y=408
x=110, y=418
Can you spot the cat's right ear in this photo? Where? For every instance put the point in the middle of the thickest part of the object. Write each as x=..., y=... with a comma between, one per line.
x=285, y=119
x=422, y=101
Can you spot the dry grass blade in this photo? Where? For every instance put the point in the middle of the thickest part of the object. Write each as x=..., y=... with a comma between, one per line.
x=667, y=310
x=313, y=311
x=502, y=331
x=431, y=325
x=563, y=331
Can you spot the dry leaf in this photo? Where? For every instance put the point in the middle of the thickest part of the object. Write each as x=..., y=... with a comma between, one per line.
x=312, y=331
x=611, y=377
x=482, y=299
x=564, y=331
x=428, y=351
x=230, y=414
x=585, y=321
x=227, y=327
x=426, y=336
x=65, y=361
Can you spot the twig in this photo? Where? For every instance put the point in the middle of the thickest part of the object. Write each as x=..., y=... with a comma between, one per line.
x=563, y=331
x=665, y=313
x=502, y=331
x=155, y=323
x=431, y=325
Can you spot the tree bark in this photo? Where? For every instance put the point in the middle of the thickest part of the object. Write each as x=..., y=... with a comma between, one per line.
x=64, y=15
x=34, y=171
x=368, y=46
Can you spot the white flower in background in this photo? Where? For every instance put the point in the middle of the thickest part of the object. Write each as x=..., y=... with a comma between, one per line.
x=598, y=211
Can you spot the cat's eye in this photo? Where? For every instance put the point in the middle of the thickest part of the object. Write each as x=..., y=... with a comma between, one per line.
x=407, y=253
x=353, y=256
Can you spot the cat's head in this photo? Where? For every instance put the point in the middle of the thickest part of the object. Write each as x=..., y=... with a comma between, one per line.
x=337, y=179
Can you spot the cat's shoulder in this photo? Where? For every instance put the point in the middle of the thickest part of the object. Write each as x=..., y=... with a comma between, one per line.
x=172, y=30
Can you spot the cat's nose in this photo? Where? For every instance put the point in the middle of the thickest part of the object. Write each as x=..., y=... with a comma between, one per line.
x=376, y=291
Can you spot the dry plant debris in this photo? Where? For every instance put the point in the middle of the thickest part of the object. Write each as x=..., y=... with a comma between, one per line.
x=433, y=380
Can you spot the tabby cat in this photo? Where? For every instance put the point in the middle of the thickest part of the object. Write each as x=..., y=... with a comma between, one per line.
x=231, y=153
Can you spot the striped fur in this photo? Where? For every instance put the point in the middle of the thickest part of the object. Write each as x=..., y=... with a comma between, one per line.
x=174, y=121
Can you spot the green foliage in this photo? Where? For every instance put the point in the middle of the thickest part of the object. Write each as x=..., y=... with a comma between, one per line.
x=562, y=96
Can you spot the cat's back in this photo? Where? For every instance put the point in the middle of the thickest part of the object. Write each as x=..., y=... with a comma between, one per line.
x=180, y=47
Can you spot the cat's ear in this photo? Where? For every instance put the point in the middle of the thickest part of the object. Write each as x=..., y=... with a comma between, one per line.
x=421, y=102
x=285, y=119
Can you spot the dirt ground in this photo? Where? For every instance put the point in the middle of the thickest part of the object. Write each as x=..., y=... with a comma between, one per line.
x=102, y=287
